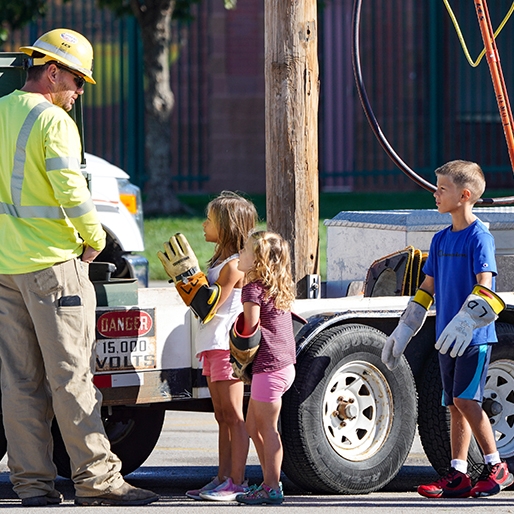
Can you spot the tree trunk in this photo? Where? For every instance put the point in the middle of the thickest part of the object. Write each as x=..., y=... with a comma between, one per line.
x=292, y=92
x=154, y=18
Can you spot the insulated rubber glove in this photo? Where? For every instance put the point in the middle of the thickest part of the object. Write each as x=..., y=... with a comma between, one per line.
x=243, y=349
x=182, y=267
x=481, y=307
x=179, y=260
x=410, y=322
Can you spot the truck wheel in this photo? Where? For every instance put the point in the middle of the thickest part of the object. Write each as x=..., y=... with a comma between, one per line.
x=434, y=422
x=434, y=419
x=347, y=422
x=132, y=431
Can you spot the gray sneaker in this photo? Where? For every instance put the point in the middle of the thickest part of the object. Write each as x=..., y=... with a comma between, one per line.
x=195, y=493
x=124, y=495
x=52, y=498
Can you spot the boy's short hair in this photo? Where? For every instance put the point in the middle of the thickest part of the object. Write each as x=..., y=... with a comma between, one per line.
x=465, y=174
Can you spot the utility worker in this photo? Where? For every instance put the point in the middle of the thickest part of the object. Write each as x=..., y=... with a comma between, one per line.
x=49, y=232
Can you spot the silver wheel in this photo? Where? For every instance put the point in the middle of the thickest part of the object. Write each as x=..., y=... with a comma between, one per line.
x=499, y=403
x=357, y=410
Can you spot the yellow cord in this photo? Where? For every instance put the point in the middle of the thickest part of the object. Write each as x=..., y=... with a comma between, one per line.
x=461, y=37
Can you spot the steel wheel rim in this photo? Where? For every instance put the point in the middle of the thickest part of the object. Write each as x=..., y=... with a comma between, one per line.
x=357, y=439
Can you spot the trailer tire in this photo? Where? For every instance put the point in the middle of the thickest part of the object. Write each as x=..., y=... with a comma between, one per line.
x=434, y=422
x=434, y=419
x=363, y=447
x=500, y=385
x=132, y=431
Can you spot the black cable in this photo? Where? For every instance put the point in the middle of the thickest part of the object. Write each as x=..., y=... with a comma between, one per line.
x=375, y=126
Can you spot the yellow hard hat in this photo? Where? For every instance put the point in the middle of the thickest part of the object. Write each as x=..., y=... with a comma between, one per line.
x=67, y=47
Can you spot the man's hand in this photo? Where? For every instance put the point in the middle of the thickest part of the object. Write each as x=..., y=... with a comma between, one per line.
x=410, y=322
x=480, y=309
x=179, y=260
x=89, y=254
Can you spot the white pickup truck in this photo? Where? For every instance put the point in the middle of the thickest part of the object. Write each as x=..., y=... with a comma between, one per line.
x=120, y=208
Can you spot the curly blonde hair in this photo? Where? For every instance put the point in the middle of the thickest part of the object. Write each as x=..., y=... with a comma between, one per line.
x=235, y=217
x=272, y=267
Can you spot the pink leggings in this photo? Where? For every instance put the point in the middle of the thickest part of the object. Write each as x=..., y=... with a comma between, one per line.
x=269, y=387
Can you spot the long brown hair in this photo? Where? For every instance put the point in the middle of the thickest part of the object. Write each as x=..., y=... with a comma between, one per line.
x=272, y=267
x=234, y=217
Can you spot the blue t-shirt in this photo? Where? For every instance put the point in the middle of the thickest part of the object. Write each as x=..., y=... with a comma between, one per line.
x=454, y=261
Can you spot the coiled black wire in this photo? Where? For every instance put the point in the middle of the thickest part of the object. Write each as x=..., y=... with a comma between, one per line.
x=375, y=126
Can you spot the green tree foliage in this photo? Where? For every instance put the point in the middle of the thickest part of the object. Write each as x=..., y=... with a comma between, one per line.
x=15, y=14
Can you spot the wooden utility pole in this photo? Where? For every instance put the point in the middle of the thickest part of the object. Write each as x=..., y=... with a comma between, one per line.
x=292, y=92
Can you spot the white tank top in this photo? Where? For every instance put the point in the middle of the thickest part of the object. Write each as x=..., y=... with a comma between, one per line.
x=214, y=334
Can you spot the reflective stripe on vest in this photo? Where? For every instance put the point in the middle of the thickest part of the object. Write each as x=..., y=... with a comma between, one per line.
x=39, y=211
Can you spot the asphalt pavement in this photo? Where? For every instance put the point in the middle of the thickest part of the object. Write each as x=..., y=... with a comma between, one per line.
x=185, y=458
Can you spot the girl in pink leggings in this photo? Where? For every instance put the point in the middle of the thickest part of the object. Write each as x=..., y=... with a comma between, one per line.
x=267, y=297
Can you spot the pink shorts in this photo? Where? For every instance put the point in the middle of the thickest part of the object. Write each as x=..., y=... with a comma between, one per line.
x=269, y=387
x=216, y=365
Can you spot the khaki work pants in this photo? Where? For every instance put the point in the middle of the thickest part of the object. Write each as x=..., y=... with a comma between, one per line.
x=46, y=357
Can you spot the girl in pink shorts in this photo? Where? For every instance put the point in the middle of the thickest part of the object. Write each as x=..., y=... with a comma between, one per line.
x=267, y=297
x=230, y=218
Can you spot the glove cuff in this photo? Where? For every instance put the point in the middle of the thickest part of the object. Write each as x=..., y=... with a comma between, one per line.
x=495, y=302
x=184, y=277
x=244, y=342
x=423, y=298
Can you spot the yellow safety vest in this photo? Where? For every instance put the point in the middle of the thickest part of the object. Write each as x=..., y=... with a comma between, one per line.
x=46, y=210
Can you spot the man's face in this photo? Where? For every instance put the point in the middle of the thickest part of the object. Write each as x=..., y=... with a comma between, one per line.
x=68, y=87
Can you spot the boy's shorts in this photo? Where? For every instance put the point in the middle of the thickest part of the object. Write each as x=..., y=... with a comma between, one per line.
x=216, y=365
x=464, y=377
x=269, y=387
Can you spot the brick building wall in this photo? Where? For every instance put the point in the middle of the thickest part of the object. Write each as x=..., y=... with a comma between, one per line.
x=236, y=142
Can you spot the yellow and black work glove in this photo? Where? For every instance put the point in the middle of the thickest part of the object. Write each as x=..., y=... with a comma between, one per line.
x=179, y=260
x=243, y=349
x=481, y=307
x=181, y=265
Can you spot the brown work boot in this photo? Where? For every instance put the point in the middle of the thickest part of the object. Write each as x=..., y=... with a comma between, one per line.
x=124, y=495
x=52, y=498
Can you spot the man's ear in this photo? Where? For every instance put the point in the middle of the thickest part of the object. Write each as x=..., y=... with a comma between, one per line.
x=52, y=71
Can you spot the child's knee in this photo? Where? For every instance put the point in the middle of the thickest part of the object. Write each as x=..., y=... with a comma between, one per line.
x=465, y=404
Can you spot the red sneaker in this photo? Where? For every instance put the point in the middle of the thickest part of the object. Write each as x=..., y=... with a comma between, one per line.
x=454, y=485
x=492, y=480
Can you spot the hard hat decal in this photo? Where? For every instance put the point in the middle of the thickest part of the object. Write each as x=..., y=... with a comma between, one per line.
x=69, y=38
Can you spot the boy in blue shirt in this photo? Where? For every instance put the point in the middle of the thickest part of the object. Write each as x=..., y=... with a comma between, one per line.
x=460, y=272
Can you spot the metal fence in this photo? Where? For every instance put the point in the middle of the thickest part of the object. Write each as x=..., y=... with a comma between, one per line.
x=114, y=107
x=431, y=104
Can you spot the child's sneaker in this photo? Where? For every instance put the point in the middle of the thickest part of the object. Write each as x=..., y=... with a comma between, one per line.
x=492, y=480
x=225, y=492
x=262, y=495
x=195, y=493
x=454, y=485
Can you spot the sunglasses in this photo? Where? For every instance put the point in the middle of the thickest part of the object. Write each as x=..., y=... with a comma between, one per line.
x=79, y=81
